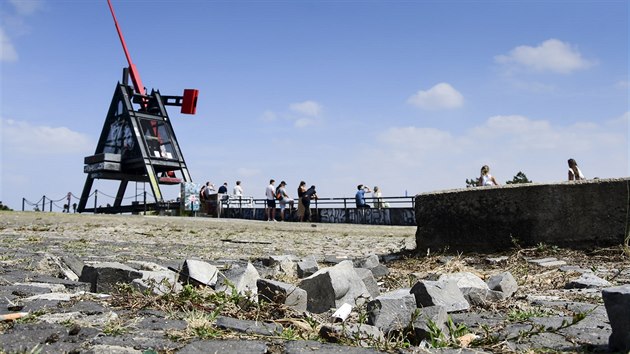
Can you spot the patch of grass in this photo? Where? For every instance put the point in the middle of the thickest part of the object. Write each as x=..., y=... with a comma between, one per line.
x=518, y=315
x=115, y=327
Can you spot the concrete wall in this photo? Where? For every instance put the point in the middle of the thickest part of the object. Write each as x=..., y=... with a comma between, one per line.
x=580, y=215
x=387, y=216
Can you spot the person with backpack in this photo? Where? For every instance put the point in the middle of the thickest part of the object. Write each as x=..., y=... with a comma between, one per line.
x=306, y=201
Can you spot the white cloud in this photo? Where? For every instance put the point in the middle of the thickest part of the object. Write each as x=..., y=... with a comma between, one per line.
x=269, y=116
x=438, y=159
x=307, y=108
x=7, y=50
x=27, y=139
x=440, y=96
x=623, y=84
x=304, y=122
x=26, y=7
x=552, y=55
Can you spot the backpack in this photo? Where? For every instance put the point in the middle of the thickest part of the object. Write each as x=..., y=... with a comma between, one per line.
x=278, y=193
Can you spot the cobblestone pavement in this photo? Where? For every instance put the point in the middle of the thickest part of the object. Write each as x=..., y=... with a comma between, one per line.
x=172, y=239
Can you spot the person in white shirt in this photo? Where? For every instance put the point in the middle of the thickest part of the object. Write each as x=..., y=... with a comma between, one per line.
x=270, y=194
x=486, y=178
x=238, y=190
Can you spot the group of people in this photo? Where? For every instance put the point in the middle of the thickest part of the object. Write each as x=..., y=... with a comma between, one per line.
x=208, y=188
x=359, y=197
x=273, y=193
x=486, y=179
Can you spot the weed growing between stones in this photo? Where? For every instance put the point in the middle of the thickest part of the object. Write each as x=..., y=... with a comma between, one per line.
x=517, y=315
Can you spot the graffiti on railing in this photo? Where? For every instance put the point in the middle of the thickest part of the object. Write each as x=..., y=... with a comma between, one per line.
x=387, y=216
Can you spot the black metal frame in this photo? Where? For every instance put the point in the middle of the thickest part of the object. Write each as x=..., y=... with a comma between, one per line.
x=134, y=162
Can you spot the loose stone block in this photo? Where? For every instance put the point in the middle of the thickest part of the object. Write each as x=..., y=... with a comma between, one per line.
x=617, y=302
x=431, y=314
x=365, y=334
x=504, y=283
x=332, y=287
x=160, y=282
x=307, y=267
x=392, y=310
x=474, y=289
x=444, y=293
x=368, y=262
x=199, y=273
x=103, y=277
x=368, y=279
x=282, y=293
x=587, y=281
x=229, y=346
x=242, y=278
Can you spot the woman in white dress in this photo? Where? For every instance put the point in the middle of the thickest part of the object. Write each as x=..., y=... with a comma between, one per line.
x=486, y=178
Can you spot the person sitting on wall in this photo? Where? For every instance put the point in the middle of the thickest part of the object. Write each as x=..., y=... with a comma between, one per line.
x=486, y=178
x=574, y=171
x=359, y=198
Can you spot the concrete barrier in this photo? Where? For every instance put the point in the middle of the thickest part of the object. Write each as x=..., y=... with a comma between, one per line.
x=579, y=215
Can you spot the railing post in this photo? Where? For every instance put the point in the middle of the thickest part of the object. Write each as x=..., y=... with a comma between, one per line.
x=43, y=203
x=23, y=201
x=345, y=210
x=95, y=199
x=145, y=202
x=50, y=207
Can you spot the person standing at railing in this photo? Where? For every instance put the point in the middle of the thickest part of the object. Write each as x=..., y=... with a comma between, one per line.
x=378, y=199
x=284, y=199
x=270, y=194
x=238, y=190
x=359, y=198
x=300, y=192
x=306, y=200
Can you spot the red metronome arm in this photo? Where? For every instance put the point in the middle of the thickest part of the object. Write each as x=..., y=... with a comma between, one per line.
x=133, y=71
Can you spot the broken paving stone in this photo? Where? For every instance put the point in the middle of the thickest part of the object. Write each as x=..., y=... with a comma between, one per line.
x=503, y=283
x=307, y=267
x=368, y=279
x=249, y=327
x=68, y=284
x=444, y=293
x=199, y=273
x=368, y=262
x=159, y=282
x=497, y=260
x=332, y=287
x=309, y=346
x=392, y=310
x=282, y=293
x=549, y=262
x=617, y=302
x=380, y=271
x=230, y=346
x=104, y=277
x=240, y=278
x=426, y=318
x=364, y=334
x=587, y=281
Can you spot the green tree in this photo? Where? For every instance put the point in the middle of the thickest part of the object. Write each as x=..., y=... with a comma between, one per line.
x=519, y=178
x=473, y=182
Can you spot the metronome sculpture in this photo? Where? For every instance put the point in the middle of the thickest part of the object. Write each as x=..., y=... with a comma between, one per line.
x=137, y=143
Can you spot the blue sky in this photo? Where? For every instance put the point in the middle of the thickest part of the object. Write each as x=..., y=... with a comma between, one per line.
x=412, y=96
